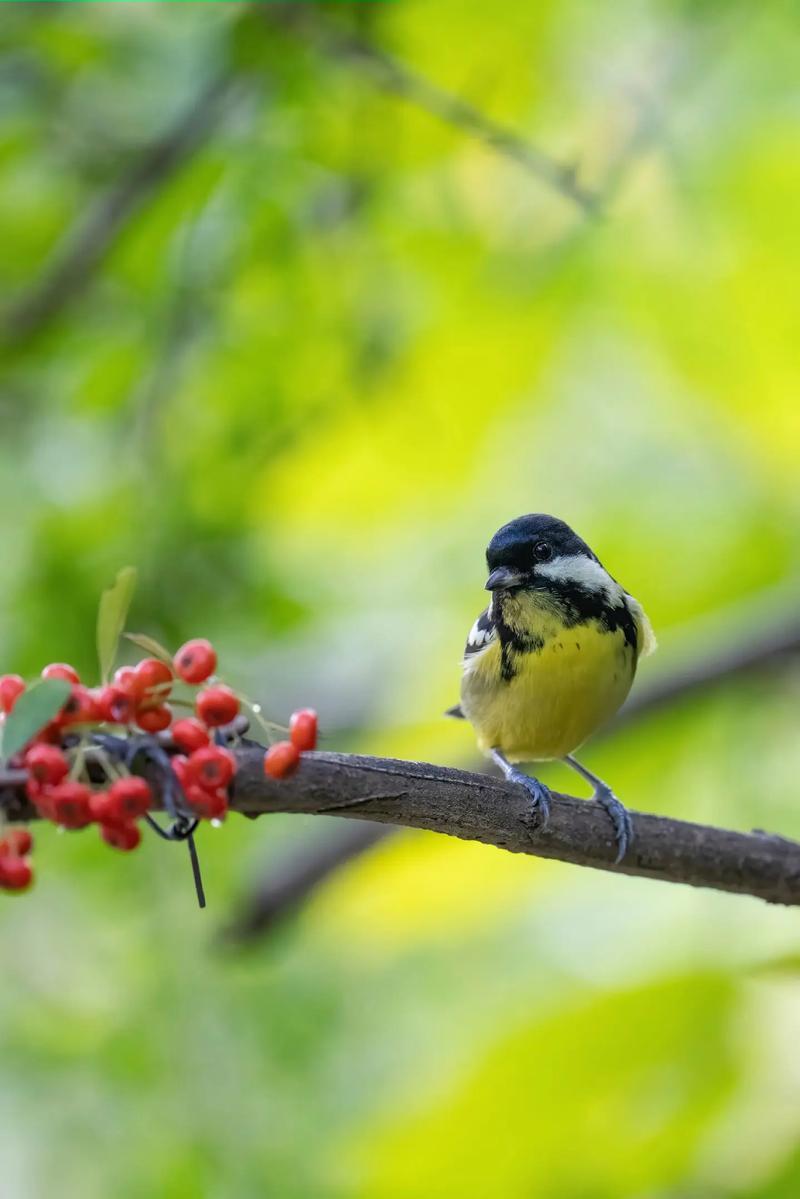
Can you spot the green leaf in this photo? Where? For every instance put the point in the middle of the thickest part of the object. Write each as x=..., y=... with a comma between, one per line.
x=150, y=646
x=32, y=711
x=111, y=617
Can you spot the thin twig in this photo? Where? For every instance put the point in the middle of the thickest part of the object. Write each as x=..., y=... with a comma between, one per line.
x=395, y=76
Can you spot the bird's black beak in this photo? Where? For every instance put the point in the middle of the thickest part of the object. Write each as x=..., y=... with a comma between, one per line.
x=502, y=578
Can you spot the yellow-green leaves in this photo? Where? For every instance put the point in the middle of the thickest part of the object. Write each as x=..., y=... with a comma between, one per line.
x=114, y=604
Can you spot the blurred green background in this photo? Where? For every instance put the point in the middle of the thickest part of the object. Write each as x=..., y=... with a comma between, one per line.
x=324, y=353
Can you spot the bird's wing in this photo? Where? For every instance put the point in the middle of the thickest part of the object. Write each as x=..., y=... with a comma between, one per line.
x=645, y=637
x=481, y=635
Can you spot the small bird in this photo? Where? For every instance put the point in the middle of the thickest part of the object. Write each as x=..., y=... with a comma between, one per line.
x=551, y=658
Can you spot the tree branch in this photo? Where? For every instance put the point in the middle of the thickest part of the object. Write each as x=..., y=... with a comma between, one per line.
x=287, y=883
x=479, y=807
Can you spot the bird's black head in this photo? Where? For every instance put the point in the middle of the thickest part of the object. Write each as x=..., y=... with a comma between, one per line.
x=516, y=550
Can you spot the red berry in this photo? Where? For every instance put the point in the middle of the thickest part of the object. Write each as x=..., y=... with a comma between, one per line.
x=303, y=729
x=46, y=763
x=128, y=680
x=80, y=708
x=15, y=873
x=121, y=836
x=189, y=734
x=154, y=677
x=18, y=842
x=69, y=804
x=154, y=720
x=50, y=735
x=217, y=705
x=212, y=805
x=195, y=661
x=33, y=789
x=281, y=759
x=11, y=688
x=39, y=795
x=211, y=767
x=115, y=705
x=179, y=768
x=61, y=670
x=132, y=796
x=104, y=809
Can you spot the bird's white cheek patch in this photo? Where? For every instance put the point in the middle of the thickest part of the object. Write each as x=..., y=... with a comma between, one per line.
x=583, y=572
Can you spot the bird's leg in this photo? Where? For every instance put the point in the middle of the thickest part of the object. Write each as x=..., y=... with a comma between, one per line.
x=539, y=794
x=619, y=814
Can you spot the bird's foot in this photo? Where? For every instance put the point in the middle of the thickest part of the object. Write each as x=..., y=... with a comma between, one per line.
x=620, y=819
x=539, y=795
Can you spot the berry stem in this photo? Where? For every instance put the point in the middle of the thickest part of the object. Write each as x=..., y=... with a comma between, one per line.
x=78, y=760
x=197, y=876
x=269, y=727
x=110, y=769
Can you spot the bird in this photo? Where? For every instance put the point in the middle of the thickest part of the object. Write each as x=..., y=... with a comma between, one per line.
x=551, y=658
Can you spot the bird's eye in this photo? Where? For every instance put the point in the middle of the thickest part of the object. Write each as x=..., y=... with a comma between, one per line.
x=542, y=551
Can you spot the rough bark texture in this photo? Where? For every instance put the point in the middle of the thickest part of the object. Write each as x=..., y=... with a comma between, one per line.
x=479, y=807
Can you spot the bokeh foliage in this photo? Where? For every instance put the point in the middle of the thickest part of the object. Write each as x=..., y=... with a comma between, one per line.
x=321, y=362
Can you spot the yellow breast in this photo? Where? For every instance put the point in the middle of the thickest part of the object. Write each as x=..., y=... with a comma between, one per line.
x=557, y=695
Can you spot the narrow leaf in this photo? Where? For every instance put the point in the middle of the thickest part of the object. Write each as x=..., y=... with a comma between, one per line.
x=111, y=617
x=150, y=646
x=32, y=711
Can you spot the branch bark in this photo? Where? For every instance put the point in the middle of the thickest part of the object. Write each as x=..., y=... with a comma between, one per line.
x=479, y=807
x=289, y=882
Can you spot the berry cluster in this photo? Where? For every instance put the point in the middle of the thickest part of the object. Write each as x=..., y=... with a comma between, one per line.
x=16, y=873
x=80, y=767
x=284, y=756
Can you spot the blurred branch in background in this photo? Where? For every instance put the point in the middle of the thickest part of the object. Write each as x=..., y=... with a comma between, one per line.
x=752, y=648
x=85, y=245
x=396, y=76
x=288, y=883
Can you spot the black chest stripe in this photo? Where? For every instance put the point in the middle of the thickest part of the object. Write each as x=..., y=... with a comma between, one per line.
x=513, y=644
x=577, y=605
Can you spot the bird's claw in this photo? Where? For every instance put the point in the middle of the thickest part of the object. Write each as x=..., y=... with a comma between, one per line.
x=620, y=819
x=539, y=796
